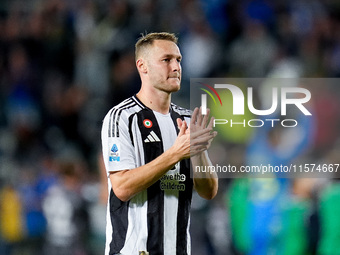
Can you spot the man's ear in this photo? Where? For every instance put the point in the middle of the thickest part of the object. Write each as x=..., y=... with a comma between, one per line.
x=141, y=65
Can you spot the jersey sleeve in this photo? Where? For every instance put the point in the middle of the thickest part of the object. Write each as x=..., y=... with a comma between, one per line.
x=117, y=148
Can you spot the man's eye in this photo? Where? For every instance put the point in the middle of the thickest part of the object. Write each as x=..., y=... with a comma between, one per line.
x=166, y=60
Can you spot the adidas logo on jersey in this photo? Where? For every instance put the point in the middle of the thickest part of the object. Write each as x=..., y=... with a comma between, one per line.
x=152, y=137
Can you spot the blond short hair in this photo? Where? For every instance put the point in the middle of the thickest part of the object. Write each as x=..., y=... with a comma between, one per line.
x=147, y=40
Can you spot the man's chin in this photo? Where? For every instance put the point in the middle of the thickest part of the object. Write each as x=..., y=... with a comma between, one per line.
x=174, y=85
x=171, y=87
x=176, y=88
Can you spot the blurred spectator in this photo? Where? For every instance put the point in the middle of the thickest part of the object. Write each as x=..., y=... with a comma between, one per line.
x=66, y=213
x=329, y=197
x=327, y=111
x=330, y=224
x=199, y=45
x=264, y=213
x=11, y=224
x=253, y=53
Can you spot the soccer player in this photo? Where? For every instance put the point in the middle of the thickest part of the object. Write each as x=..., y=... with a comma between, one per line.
x=147, y=146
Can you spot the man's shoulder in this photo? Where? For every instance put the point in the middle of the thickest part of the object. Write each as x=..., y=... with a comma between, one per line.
x=181, y=111
x=129, y=106
x=118, y=116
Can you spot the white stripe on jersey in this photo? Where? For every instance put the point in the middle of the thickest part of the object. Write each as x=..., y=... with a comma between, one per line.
x=169, y=135
x=155, y=137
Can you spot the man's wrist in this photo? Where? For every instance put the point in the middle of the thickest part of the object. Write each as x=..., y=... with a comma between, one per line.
x=172, y=155
x=197, y=157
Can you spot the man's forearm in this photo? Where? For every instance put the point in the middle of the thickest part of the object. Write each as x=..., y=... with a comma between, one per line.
x=205, y=183
x=127, y=183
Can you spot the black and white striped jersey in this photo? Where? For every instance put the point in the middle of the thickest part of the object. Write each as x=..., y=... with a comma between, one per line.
x=155, y=220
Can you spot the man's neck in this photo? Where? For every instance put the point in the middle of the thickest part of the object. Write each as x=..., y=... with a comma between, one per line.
x=156, y=100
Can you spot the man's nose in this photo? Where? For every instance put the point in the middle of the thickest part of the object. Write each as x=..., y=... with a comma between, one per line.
x=176, y=66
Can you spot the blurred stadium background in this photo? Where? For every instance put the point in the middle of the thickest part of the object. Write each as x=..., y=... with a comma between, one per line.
x=64, y=64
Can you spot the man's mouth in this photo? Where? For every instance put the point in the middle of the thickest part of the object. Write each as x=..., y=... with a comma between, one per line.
x=174, y=77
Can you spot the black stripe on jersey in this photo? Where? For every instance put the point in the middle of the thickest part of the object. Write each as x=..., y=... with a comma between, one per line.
x=155, y=217
x=118, y=117
x=113, y=113
x=184, y=201
x=130, y=128
x=155, y=210
x=109, y=129
x=116, y=113
x=115, y=127
x=119, y=222
x=183, y=214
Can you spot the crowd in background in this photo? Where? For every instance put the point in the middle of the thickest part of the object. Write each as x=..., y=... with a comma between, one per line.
x=64, y=64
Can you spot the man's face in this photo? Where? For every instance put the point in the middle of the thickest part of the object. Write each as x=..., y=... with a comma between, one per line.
x=164, y=70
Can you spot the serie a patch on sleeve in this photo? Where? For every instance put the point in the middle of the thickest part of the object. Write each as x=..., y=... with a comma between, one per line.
x=114, y=154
